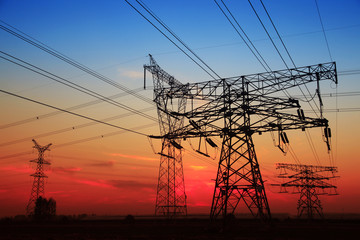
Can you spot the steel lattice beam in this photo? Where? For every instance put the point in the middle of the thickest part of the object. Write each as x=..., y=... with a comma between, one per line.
x=234, y=109
x=171, y=197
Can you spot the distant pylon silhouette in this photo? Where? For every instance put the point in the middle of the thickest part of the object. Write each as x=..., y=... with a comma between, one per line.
x=310, y=182
x=38, y=184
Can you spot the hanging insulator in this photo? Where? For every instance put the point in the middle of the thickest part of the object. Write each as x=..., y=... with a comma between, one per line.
x=211, y=143
x=202, y=153
x=328, y=145
x=285, y=137
x=282, y=137
x=194, y=124
x=175, y=144
x=281, y=148
x=329, y=132
x=299, y=114
x=326, y=132
x=302, y=115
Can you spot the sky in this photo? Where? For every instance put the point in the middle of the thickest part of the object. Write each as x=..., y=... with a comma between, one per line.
x=103, y=170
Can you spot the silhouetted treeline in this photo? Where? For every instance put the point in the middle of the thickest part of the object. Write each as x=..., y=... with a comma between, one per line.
x=44, y=209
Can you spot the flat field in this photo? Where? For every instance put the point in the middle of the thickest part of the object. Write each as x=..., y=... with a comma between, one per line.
x=188, y=228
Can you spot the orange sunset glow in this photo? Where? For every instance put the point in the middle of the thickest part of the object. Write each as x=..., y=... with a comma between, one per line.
x=104, y=125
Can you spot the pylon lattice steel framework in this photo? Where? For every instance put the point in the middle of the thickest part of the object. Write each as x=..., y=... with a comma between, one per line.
x=37, y=189
x=234, y=109
x=310, y=182
x=171, y=197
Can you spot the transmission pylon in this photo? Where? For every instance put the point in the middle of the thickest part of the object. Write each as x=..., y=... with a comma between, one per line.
x=171, y=197
x=310, y=182
x=234, y=109
x=37, y=189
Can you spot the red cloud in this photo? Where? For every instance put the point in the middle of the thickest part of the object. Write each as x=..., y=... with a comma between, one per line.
x=21, y=169
x=133, y=157
x=103, y=164
x=98, y=183
x=64, y=170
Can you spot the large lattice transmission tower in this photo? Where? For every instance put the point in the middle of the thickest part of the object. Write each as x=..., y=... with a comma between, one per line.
x=310, y=182
x=38, y=185
x=234, y=109
x=171, y=197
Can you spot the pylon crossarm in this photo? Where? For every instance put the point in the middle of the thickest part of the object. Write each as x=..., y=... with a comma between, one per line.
x=288, y=122
x=159, y=73
x=208, y=120
x=261, y=83
x=302, y=167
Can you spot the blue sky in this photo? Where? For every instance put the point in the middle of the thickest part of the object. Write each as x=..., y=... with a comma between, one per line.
x=101, y=34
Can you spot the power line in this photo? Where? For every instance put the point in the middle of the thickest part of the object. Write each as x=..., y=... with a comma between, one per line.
x=79, y=141
x=70, y=84
x=279, y=51
x=70, y=61
x=267, y=68
x=312, y=146
x=264, y=63
x=258, y=17
x=174, y=35
x=268, y=34
x=182, y=50
x=70, y=128
x=51, y=114
x=337, y=110
x=72, y=113
x=277, y=33
x=322, y=26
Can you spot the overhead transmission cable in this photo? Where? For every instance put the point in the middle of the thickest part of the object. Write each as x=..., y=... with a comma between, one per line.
x=262, y=24
x=70, y=128
x=262, y=61
x=268, y=34
x=80, y=141
x=70, y=84
x=19, y=34
x=83, y=105
x=328, y=48
x=70, y=61
x=323, y=30
x=308, y=101
x=174, y=35
x=72, y=113
x=172, y=41
x=278, y=33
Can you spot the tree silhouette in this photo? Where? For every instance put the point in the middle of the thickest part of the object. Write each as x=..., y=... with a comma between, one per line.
x=44, y=209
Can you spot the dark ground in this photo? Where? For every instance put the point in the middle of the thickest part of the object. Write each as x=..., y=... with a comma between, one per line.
x=190, y=228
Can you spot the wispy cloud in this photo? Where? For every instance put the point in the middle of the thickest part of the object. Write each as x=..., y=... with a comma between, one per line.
x=133, y=157
x=114, y=184
x=132, y=74
x=97, y=183
x=18, y=169
x=103, y=164
x=198, y=168
x=199, y=204
x=64, y=170
x=131, y=184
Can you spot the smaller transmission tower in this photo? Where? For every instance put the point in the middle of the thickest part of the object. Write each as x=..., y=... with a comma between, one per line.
x=170, y=197
x=37, y=189
x=310, y=181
